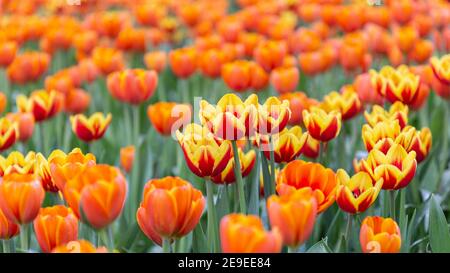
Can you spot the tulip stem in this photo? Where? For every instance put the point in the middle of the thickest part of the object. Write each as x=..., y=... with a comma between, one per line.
x=272, y=166
x=348, y=230
x=238, y=175
x=6, y=246
x=166, y=245
x=392, y=203
x=24, y=237
x=213, y=238
x=106, y=236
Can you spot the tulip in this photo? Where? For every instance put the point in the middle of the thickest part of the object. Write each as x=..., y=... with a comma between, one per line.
x=382, y=130
x=15, y=162
x=9, y=133
x=357, y=193
x=85, y=41
x=441, y=68
x=294, y=215
x=398, y=111
x=311, y=148
x=321, y=125
x=156, y=60
x=98, y=194
x=417, y=141
x=285, y=79
x=76, y=101
x=8, y=52
x=273, y=116
x=90, y=128
x=211, y=61
x=287, y=145
x=396, y=167
x=64, y=167
x=108, y=59
x=3, y=102
x=42, y=104
x=79, y=246
x=167, y=117
x=183, y=62
x=55, y=226
x=270, y=54
x=132, y=39
x=132, y=86
x=127, y=157
x=8, y=229
x=246, y=234
x=28, y=67
x=379, y=235
x=236, y=75
x=298, y=101
x=21, y=196
x=43, y=170
x=347, y=103
x=364, y=89
x=88, y=70
x=227, y=176
x=421, y=51
x=299, y=174
x=170, y=209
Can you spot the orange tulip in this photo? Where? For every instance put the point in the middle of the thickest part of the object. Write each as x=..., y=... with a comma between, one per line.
x=108, y=59
x=406, y=37
x=132, y=86
x=41, y=103
x=3, y=102
x=396, y=166
x=227, y=176
x=294, y=215
x=55, y=226
x=150, y=14
x=21, y=196
x=237, y=75
x=285, y=79
x=229, y=29
x=249, y=40
x=441, y=68
x=402, y=11
x=90, y=128
x=171, y=208
x=299, y=174
x=421, y=51
x=167, y=117
x=241, y=233
x=99, y=193
x=357, y=193
x=270, y=54
x=88, y=70
x=379, y=15
x=9, y=133
x=312, y=63
x=8, y=229
x=132, y=39
x=76, y=101
x=64, y=167
x=204, y=156
x=79, y=246
x=379, y=235
x=321, y=125
x=210, y=62
x=351, y=17
x=304, y=40
x=85, y=41
x=61, y=82
x=8, y=52
x=398, y=111
x=183, y=62
x=27, y=67
x=127, y=157
x=156, y=60
x=365, y=90
x=422, y=97
x=298, y=101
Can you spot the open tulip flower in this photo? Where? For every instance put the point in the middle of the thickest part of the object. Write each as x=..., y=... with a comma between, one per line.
x=321, y=125
x=42, y=104
x=227, y=176
x=273, y=116
x=382, y=130
x=357, y=193
x=347, y=103
x=379, y=235
x=287, y=145
x=397, y=111
x=90, y=128
x=441, y=68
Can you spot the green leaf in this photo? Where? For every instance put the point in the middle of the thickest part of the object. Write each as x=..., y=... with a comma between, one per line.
x=253, y=198
x=320, y=247
x=223, y=203
x=438, y=229
x=199, y=243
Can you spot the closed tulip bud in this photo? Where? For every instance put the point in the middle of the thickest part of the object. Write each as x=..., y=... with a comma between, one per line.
x=421, y=51
x=85, y=41
x=227, y=176
x=241, y=233
x=231, y=118
x=273, y=116
x=285, y=79
x=298, y=101
x=156, y=60
x=127, y=157
x=417, y=141
x=64, y=167
x=366, y=92
x=55, y=226
x=357, y=193
x=298, y=175
x=79, y=246
x=21, y=196
x=8, y=229
x=98, y=194
x=259, y=79
x=287, y=145
x=88, y=70
x=321, y=125
x=171, y=208
x=108, y=59
x=9, y=133
x=90, y=128
x=205, y=156
x=382, y=130
x=398, y=111
x=347, y=103
x=396, y=167
x=379, y=235
x=132, y=39
x=237, y=75
x=294, y=215
x=28, y=67
x=167, y=117
x=183, y=62
x=441, y=68
x=402, y=11
x=132, y=86
x=210, y=62
x=41, y=103
x=270, y=54
x=76, y=101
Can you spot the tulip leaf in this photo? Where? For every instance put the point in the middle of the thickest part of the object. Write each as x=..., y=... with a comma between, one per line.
x=253, y=198
x=223, y=203
x=320, y=247
x=438, y=229
x=199, y=243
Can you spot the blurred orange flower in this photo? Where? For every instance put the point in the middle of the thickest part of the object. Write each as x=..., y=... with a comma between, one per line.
x=132, y=86
x=41, y=103
x=79, y=246
x=183, y=62
x=379, y=235
x=9, y=133
x=127, y=157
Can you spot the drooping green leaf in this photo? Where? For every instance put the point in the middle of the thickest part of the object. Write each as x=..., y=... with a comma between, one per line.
x=438, y=229
x=320, y=247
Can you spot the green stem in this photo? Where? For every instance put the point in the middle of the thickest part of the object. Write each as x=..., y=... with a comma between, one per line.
x=272, y=166
x=392, y=204
x=238, y=175
x=213, y=238
x=24, y=237
x=348, y=230
x=6, y=246
x=106, y=237
x=166, y=245
x=266, y=176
